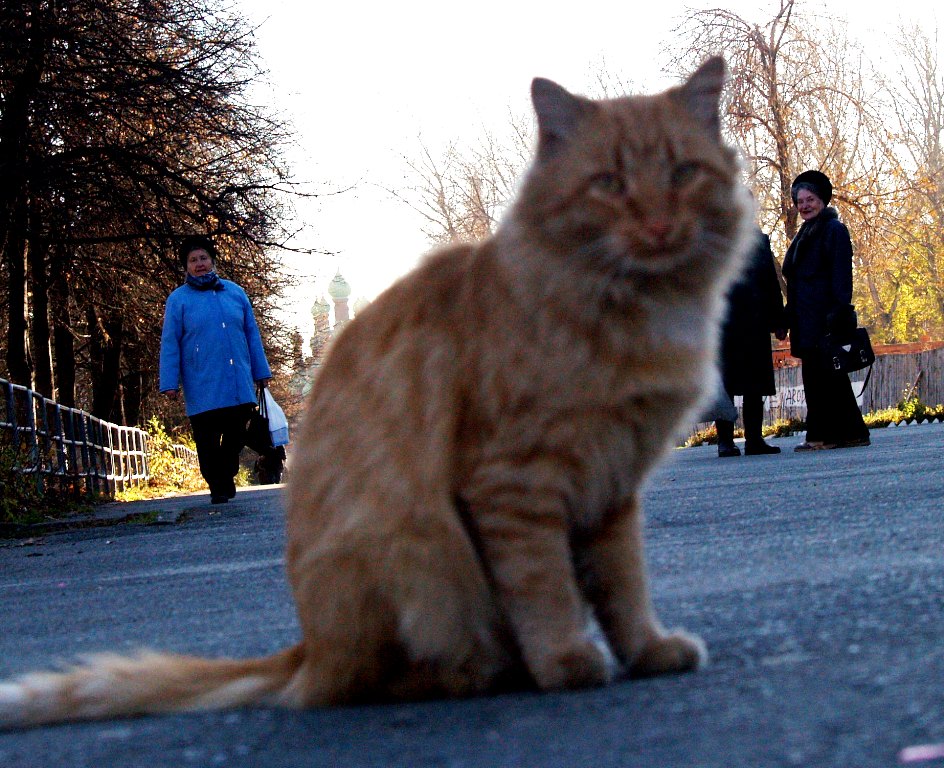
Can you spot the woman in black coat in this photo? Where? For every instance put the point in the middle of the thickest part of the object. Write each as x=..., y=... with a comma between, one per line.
x=755, y=310
x=818, y=270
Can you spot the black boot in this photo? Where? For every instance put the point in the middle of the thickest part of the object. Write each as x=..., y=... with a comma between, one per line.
x=753, y=414
x=726, y=446
x=759, y=448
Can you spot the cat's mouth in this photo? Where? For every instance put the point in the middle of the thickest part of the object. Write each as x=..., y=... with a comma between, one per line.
x=621, y=259
x=642, y=256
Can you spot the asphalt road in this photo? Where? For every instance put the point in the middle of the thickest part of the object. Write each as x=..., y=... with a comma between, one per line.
x=816, y=580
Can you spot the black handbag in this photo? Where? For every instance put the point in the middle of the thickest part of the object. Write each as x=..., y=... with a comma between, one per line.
x=854, y=354
x=258, y=437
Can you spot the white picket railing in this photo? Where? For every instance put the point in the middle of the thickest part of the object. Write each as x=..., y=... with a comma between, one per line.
x=68, y=448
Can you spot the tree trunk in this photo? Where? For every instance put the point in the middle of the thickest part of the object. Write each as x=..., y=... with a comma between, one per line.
x=104, y=360
x=63, y=341
x=131, y=385
x=18, y=367
x=39, y=331
x=25, y=74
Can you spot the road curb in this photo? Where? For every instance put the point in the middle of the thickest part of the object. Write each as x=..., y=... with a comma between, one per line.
x=21, y=530
x=167, y=510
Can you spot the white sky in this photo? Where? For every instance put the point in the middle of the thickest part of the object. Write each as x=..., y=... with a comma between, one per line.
x=361, y=81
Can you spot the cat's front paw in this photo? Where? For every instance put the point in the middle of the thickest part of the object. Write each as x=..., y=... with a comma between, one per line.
x=677, y=652
x=582, y=665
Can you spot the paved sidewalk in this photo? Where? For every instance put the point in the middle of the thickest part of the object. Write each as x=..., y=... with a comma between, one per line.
x=816, y=581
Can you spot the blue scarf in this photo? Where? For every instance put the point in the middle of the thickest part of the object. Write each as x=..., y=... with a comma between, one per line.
x=207, y=282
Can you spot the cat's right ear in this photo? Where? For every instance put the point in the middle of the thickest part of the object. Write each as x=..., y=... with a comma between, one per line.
x=701, y=94
x=558, y=111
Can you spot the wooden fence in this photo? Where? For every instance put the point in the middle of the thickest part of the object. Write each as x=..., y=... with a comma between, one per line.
x=69, y=449
x=896, y=374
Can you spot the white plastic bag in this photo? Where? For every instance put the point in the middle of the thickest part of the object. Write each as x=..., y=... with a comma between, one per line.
x=278, y=424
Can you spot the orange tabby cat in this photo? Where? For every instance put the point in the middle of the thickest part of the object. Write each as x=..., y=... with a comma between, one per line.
x=466, y=486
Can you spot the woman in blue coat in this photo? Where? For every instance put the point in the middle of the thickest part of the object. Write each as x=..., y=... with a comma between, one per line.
x=210, y=346
x=818, y=271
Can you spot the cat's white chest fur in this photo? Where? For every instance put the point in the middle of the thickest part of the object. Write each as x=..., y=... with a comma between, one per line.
x=680, y=323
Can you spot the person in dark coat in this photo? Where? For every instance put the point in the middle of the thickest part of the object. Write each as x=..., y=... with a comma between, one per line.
x=755, y=310
x=818, y=271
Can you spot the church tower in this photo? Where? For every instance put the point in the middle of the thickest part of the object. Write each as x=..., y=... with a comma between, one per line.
x=340, y=292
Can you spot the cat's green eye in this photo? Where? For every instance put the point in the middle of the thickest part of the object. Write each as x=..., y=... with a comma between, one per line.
x=683, y=173
x=608, y=183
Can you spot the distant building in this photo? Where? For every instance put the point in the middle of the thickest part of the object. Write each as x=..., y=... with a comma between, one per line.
x=321, y=314
x=339, y=291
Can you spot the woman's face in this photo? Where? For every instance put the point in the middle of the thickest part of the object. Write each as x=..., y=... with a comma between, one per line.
x=199, y=262
x=808, y=204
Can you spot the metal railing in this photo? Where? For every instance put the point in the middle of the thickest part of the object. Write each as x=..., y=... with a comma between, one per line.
x=67, y=448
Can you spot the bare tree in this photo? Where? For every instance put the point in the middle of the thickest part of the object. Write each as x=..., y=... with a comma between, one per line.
x=796, y=100
x=462, y=191
x=802, y=96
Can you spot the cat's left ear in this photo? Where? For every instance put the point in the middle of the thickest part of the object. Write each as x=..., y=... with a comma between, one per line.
x=701, y=94
x=559, y=112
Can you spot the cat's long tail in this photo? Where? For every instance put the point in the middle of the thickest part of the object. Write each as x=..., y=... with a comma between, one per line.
x=108, y=685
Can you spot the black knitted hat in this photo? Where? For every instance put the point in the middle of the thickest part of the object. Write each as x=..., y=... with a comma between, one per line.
x=821, y=185
x=195, y=243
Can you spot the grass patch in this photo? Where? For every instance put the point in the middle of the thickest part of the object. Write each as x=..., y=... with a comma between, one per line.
x=909, y=411
x=170, y=475
x=21, y=501
x=780, y=428
x=147, y=518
